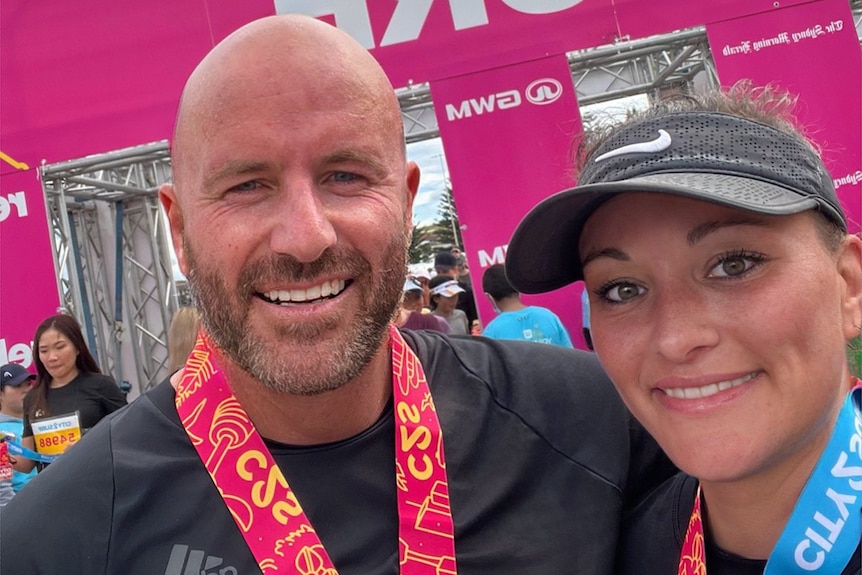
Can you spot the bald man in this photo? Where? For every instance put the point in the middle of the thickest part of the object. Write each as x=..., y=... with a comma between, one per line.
x=306, y=434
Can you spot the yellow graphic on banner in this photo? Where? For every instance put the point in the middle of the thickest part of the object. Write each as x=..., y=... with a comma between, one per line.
x=13, y=163
x=53, y=435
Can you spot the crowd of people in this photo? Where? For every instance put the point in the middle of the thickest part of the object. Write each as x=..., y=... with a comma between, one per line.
x=325, y=413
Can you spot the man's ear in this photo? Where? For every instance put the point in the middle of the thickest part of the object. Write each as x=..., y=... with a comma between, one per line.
x=168, y=198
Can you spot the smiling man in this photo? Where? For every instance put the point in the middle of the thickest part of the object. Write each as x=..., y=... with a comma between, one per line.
x=306, y=434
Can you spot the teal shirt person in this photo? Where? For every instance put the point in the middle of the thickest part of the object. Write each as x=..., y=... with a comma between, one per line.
x=516, y=320
x=531, y=323
x=12, y=427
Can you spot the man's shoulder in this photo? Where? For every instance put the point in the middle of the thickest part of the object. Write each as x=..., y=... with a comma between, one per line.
x=653, y=530
x=483, y=356
x=519, y=376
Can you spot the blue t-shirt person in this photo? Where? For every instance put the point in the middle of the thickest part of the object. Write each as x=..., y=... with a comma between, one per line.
x=531, y=323
x=12, y=428
x=516, y=320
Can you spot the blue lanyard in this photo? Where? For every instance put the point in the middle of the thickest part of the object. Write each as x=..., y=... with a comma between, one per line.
x=826, y=525
x=18, y=450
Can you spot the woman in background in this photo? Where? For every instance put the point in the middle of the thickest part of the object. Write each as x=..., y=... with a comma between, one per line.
x=182, y=334
x=444, y=297
x=68, y=381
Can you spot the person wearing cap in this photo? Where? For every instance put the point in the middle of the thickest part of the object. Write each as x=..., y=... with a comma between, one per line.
x=447, y=264
x=15, y=382
x=516, y=320
x=724, y=287
x=411, y=316
x=422, y=277
x=444, y=299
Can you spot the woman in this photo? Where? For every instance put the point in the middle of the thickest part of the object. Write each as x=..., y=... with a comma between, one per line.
x=444, y=297
x=182, y=334
x=723, y=290
x=68, y=382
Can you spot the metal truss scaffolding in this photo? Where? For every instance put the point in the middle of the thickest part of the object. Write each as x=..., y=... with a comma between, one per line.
x=113, y=256
x=107, y=222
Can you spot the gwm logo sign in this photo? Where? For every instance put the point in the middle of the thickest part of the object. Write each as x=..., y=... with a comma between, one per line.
x=540, y=92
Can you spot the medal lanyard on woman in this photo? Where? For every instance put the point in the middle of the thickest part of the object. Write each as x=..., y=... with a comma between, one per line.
x=267, y=511
x=826, y=524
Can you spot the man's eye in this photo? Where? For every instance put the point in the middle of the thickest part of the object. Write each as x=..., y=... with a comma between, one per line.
x=344, y=177
x=246, y=186
x=620, y=292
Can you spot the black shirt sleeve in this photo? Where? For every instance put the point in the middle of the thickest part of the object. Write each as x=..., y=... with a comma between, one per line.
x=68, y=512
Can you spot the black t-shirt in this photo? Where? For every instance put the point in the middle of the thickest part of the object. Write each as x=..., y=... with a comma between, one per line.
x=655, y=529
x=92, y=395
x=541, y=459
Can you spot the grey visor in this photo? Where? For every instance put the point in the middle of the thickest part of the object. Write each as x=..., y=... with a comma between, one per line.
x=708, y=156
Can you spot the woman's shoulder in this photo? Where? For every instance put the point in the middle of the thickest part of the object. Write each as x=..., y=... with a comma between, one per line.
x=95, y=379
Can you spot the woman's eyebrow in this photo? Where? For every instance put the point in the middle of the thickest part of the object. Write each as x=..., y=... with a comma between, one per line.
x=605, y=253
x=700, y=231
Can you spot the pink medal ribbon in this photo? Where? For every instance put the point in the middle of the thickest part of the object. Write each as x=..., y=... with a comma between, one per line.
x=692, y=558
x=265, y=509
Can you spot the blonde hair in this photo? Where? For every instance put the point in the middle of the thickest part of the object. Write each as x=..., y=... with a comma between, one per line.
x=181, y=336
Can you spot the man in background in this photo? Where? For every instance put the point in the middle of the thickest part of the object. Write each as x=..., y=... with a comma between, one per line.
x=516, y=320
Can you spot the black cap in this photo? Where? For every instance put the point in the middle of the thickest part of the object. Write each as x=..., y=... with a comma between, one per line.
x=14, y=375
x=709, y=156
x=445, y=261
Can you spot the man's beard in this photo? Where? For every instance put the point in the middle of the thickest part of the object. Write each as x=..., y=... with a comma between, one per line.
x=288, y=365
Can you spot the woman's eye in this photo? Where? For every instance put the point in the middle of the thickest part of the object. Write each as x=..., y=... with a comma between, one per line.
x=620, y=292
x=735, y=265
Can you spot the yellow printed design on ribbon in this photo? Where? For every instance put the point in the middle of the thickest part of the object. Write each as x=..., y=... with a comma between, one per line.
x=692, y=558
x=266, y=510
x=248, y=480
x=427, y=541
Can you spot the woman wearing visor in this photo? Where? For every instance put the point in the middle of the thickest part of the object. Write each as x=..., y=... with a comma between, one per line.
x=723, y=289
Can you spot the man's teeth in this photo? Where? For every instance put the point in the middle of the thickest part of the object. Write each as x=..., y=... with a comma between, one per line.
x=325, y=289
x=706, y=390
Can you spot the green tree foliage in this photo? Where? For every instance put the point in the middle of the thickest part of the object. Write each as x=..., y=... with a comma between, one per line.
x=422, y=245
x=447, y=227
x=854, y=356
x=443, y=234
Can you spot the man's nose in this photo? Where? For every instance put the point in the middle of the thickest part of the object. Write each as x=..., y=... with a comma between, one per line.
x=301, y=224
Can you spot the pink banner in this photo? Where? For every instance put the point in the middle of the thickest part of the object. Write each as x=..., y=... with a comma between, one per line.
x=638, y=19
x=94, y=76
x=813, y=51
x=508, y=134
x=77, y=79
x=425, y=40
x=27, y=276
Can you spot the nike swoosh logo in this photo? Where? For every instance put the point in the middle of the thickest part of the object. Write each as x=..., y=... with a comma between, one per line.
x=660, y=144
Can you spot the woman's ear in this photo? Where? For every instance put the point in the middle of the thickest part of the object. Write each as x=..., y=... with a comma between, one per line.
x=850, y=270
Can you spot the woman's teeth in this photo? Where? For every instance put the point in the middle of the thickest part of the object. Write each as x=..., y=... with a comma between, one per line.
x=706, y=390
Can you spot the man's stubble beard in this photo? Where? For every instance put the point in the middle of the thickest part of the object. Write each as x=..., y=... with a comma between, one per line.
x=286, y=366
